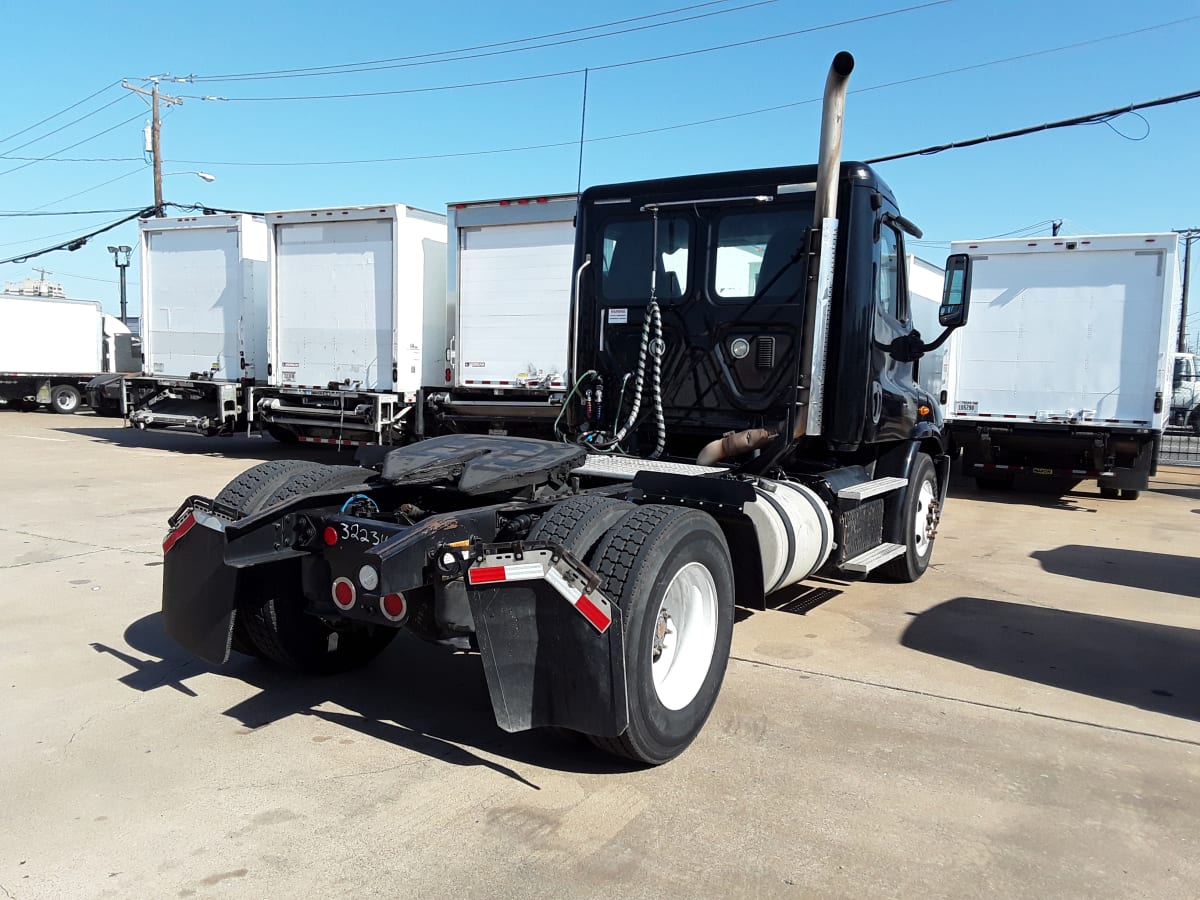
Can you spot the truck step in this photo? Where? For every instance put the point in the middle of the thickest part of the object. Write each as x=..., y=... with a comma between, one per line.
x=873, y=558
x=872, y=489
x=623, y=468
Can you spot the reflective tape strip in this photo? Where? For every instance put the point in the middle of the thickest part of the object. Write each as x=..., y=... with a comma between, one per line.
x=178, y=532
x=495, y=574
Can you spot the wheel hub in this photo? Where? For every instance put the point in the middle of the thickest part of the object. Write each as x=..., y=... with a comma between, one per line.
x=663, y=630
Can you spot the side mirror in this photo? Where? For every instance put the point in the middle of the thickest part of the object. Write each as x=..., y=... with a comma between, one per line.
x=956, y=292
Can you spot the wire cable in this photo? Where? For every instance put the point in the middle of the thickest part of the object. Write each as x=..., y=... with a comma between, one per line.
x=559, y=74
x=64, y=127
x=54, y=116
x=26, y=165
x=423, y=59
x=680, y=125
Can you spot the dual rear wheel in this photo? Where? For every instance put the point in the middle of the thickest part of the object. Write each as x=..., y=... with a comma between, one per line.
x=669, y=571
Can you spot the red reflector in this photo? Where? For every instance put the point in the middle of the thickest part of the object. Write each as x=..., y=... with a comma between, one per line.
x=180, y=530
x=393, y=606
x=449, y=374
x=330, y=535
x=485, y=574
x=343, y=593
x=505, y=202
x=541, y=199
x=591, y=612
x=522, y=202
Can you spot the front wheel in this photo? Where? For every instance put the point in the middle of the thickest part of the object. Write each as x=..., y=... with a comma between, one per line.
x=918, y=523
x=669, y=570
x=64, y=399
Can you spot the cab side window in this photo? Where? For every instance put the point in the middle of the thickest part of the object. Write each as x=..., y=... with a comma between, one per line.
x=888, y=282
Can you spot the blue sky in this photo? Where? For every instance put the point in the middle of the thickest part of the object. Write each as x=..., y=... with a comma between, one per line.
x=1092, y=177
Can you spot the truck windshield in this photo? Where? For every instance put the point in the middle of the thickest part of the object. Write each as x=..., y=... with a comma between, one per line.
x=629, y=249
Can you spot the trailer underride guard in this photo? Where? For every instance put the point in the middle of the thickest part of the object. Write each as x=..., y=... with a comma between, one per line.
x=742, y=414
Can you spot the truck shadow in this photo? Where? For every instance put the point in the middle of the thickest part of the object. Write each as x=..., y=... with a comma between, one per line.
x=1133, y=568
x=418, y=696
x=1046, y=493
x=238, y=445
x=1140, y=664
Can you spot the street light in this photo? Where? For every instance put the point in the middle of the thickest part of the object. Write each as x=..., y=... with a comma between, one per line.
x=203, y=176
x=121, y=261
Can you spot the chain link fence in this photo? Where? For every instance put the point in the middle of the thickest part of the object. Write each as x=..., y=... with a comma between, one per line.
x=1180, y=447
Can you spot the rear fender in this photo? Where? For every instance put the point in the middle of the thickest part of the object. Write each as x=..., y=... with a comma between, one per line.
x=546, y=658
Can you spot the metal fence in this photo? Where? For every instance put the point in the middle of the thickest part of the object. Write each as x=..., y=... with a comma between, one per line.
x=1180, y=447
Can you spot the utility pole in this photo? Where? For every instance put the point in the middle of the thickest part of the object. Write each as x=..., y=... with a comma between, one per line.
x=155, y=133
x=1188, y=235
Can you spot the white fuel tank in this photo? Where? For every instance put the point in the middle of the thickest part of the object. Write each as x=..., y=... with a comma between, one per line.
x=795, y=531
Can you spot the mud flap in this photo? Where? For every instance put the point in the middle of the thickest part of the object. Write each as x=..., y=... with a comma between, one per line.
x=546, y=664
x=199, y=589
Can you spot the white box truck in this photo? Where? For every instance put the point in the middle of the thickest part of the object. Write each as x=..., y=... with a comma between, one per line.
x=509, y=293
x=925, y=283
x=356, y=323
x=203, y=323
x=51, y=348
x=1065, y=368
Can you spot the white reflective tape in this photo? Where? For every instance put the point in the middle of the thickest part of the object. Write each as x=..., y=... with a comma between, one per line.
x=524, y=572
x=559, y=583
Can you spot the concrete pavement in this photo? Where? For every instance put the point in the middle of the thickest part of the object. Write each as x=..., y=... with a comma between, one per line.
x=1025, y=720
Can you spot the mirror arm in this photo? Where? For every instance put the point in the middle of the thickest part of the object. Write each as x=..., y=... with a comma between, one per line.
x=941, y=339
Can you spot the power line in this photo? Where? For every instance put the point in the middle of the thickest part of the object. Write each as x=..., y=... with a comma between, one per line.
x=72, y=159
x=94, y=187
x=29, y=213
x=66, y=126
x=1089, y=119
x=661, y=128
x=57, y=114
x=77, y=242
x=25, y=165
x=424, y=59
x=577, y=71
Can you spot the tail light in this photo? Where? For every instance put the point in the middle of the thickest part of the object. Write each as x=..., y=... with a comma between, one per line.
x=343, y=592
x=393, y=606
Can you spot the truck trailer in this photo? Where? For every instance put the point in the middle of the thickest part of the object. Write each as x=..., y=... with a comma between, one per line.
x=356, y=323
x=51, y=349
x=509, y=299
x=1066, y=369
x=203, y=324
x=730, y=428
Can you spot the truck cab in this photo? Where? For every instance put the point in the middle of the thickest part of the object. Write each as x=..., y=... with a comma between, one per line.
x=725, y=259
x=1185, y=392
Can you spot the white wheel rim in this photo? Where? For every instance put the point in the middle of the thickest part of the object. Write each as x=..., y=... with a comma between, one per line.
x=684, y=636
x=921, y=523
x=66, y=400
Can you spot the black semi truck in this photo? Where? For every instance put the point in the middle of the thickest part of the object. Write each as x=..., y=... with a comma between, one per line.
x=743, y=413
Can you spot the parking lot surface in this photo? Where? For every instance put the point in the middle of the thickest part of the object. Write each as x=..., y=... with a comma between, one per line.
x=1023, y=721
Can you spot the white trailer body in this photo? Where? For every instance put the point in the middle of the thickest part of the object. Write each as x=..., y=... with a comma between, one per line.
x=203, y=325
x=50, y=349
x=356, y=322
x=1069, y=342
x=44, y=334
x=204, y=296
x=509, y=295
x=925, y=281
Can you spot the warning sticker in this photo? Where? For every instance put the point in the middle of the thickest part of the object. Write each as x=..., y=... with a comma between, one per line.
x=618, y=316
x=966, y=406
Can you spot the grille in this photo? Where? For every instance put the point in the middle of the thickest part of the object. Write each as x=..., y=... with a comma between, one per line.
x=764, y=352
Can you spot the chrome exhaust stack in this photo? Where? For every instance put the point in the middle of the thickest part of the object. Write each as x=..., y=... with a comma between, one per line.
x=829, y=162
x=818, y=296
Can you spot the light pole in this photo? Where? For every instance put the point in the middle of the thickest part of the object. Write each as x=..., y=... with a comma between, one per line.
x=121, y=261
x=203, y=176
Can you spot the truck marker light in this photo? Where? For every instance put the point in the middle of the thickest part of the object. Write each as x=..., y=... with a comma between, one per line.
x=179, y=531
x=449, y=374
x=923, y=410
x=368, y=578
x=330, y=536
x=343, y=592
x=393, y=606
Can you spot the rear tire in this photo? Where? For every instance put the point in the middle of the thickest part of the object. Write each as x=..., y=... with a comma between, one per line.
x=919, y=516
x=65, y=399
x=1109, y=493
x=669, y=571
x=1130, y=494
